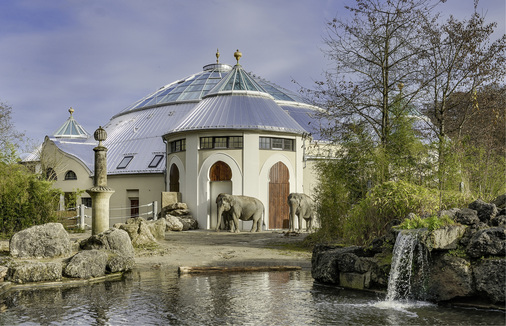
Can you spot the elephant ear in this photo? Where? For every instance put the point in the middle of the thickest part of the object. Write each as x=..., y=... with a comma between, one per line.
x=231, y=200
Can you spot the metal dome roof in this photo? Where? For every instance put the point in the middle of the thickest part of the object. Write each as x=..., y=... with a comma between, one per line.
x=238, y=102
x=193, y=88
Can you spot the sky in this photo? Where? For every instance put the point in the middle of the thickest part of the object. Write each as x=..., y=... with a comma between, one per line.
x=100, y=56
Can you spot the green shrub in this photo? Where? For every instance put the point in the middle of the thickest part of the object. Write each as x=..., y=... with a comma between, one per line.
x=431, y=223
x=25, y=200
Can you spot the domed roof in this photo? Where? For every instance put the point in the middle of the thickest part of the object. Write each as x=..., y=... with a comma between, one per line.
x=193, y=88
x=238, y=102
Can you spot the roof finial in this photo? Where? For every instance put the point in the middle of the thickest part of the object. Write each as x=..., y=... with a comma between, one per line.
x=217, y=56
x=71, y=110
x=237, y=55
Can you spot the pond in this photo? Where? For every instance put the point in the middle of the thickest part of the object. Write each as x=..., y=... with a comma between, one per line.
x=160, y=297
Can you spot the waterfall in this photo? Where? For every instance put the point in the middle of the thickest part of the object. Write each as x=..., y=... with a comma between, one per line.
x=407, y=279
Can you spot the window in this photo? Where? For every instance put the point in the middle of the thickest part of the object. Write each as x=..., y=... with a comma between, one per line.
x=221, y=142
x=235, y=142
x=282, y=144
x=155, y=161
x=124, y=162
x=206, y=142
x=70, y=175
x=178, y=145
x=86, y=201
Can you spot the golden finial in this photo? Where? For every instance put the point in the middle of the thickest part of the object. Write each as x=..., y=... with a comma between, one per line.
x=401, y=86
x=217, y=56
x=237, y=55
x=71, y=111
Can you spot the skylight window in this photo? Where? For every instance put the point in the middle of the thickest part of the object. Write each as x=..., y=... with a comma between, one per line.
x=124, y=162
x=155, y=161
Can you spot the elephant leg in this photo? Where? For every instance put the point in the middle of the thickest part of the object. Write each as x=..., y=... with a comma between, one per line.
x=236, y=224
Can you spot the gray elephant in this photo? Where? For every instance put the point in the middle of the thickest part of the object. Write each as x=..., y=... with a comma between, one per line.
x=301, y=205
x=241, y=207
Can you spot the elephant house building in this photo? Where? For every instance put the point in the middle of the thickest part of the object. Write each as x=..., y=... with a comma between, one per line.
x=221, y=130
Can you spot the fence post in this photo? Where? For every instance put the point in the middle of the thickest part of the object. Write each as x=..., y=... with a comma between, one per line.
x=80, y=222
x=155, y=210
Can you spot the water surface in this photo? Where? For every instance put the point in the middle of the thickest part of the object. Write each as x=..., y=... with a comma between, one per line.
x=160, y=297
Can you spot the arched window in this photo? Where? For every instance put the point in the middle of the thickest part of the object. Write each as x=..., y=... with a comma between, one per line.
x=51, y=175
x=220, y=171
x=70, y=175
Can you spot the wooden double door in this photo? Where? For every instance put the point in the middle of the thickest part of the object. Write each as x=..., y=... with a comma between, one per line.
x=279, y=189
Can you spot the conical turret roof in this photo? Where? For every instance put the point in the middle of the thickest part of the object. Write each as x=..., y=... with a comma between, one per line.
x=238, y=102
x=71, y=129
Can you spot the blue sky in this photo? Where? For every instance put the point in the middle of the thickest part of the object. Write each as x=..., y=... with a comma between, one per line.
x=99, y=56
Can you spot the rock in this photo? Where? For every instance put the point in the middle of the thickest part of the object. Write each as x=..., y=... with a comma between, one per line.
x=487, y=242
x=157, y=228
x=3, y=272
x=451, y=213
x=25, y=272
x=119, y=263
x=489, y=279
x=485, y=211
x=179, y=212
x=444, y=238
x=499, y=221
x=87, y=264
x=500, y=201
x=48, y=240
x=175, y=206
x=467, y=216
x=355, y=280
x=324, y=264
x=112, y=239
x=139, y=232
x=173, y=223
x=188, y=223
x=450, y=277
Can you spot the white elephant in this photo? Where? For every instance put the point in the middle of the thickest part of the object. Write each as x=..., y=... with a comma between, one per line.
x=301, y=205
x=241, y=207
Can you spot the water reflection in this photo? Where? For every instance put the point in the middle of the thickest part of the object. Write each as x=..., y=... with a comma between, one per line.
x=160, y=297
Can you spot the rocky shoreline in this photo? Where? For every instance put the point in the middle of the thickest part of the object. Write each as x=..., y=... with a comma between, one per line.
x=466, y=261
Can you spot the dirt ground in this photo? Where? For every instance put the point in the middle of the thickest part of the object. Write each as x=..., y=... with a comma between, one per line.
x=210, y=248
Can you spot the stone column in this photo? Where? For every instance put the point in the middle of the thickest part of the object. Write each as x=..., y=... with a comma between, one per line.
x=100, y=193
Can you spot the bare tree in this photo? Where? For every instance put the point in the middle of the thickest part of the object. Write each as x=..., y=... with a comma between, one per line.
x=373, y=53
x=461, y=59
x=9, y=137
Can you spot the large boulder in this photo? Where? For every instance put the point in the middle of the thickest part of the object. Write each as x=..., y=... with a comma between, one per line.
x=87, y=264
x=467, y=216
x=41, y=241
x=139, y=232
x=324, y=264
x=450, y=277
x=188, y=222
x=500, y=201
x=119, y=263
x=444, y=238
x=486, y=211
x=487, y=242
x=490, y=280
x=113, y=239
x=173, y=223
x=157, y=228
x=25, y=272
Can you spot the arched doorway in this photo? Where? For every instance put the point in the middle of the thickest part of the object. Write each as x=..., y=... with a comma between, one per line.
x=220, y=179
x=174, y=178
x=279, y=189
